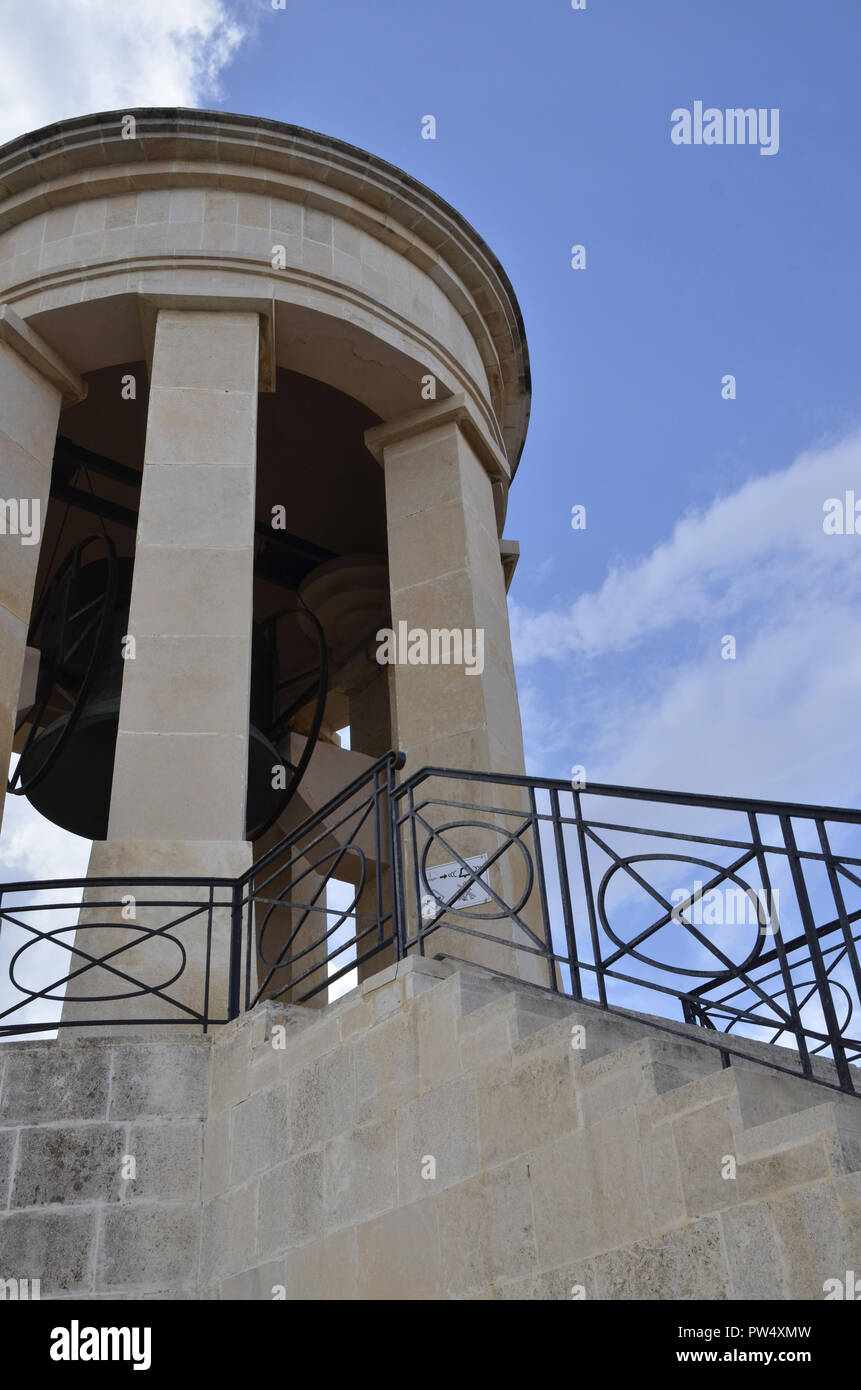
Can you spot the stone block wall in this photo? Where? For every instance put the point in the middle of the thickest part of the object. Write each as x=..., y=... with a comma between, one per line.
x=71, y=1113
x=434, y=1134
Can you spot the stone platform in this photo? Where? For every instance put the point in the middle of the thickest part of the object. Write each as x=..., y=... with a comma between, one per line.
x=432, y=1135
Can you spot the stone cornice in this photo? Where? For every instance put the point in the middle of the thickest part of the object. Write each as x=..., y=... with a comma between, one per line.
x=88, y=157
x=132, y=274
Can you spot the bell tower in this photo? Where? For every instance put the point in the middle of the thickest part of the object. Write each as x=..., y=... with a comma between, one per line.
x=262, y=397
x=268, y=393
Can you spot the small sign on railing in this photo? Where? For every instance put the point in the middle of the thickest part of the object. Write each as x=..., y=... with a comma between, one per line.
x=444, y=881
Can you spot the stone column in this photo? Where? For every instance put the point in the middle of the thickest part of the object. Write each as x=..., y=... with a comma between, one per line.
x=179, y=782
x=371, y=732
x=446, y=573
x=34, y=385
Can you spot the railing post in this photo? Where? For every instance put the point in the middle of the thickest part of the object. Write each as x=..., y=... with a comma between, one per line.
x=235, y=950
x=820, y=974
x=399, y=926
x=565, y=889
x=586, y=871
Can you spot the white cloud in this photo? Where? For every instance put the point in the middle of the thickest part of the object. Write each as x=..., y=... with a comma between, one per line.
x=33, y=847
x=756, y=537
x=63, y=58
x=648, y=701
x=780, y=721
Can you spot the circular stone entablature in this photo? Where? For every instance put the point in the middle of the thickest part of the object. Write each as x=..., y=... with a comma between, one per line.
x=363, y=277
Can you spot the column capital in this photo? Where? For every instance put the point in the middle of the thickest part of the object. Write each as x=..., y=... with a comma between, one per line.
x=149, y=306
x=18, y=335
x=458, y=410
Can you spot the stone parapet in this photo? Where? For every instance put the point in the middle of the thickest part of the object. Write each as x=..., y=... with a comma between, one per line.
x=434, y=1134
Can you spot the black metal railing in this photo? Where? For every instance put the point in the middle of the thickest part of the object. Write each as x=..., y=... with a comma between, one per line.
x=72, y=945
x=729, y=914
x=291, y=942
x=739, y=915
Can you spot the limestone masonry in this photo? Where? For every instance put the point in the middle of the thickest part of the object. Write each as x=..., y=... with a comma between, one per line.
x=299, y=1170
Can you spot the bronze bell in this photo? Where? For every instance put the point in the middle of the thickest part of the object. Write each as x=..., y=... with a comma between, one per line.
x=66, y=765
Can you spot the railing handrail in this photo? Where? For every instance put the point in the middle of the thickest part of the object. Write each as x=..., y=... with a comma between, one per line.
x=808, y=810
x=112, y=881
x=716, y=802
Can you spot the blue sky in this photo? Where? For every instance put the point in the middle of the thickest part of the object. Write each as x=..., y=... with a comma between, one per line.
x=553, y=128
x=704, y=516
